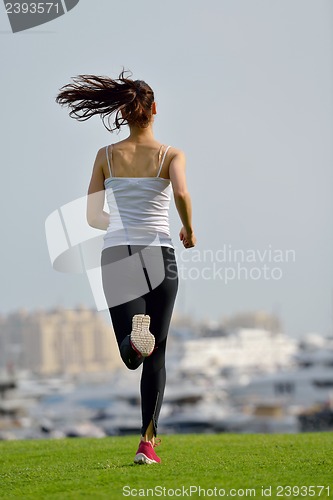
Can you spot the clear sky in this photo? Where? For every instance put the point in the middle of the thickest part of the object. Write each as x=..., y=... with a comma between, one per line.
x=243, y=87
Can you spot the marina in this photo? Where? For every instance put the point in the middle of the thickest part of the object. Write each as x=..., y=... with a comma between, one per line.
x=247, y=381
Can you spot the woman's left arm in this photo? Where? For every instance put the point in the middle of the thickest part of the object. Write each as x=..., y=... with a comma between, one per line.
x=96, y=216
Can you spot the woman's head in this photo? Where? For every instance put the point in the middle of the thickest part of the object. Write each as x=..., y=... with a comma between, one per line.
x=89, y=95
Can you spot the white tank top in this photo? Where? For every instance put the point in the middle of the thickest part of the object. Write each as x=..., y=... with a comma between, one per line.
x=139, y=209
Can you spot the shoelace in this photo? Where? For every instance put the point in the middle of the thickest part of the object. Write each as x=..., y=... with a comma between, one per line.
x=157, y=442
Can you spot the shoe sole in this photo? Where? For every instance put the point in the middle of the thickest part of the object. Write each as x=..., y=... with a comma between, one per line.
x=141, y=458
x=141, y=339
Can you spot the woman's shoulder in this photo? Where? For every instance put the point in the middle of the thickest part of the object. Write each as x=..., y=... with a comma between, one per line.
x=110, y=145
x=171, y=153
x=101, y=154
x=175, y=153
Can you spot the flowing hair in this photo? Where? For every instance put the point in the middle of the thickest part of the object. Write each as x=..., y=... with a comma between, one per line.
x=89, y=95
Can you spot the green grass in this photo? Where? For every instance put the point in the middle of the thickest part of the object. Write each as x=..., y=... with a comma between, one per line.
x=100, y=468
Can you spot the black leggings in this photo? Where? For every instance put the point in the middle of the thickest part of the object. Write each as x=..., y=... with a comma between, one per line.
x=142, y=280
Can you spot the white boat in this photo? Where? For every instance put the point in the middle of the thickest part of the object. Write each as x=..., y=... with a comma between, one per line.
x=303, y=387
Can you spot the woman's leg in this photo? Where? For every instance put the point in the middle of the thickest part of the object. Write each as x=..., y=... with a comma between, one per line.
x=121, y=317
x=115, y=281
x=158, y=303
x=159, y=306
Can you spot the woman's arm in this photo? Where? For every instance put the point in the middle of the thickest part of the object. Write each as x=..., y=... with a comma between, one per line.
x=182, y=198
x=96, y=216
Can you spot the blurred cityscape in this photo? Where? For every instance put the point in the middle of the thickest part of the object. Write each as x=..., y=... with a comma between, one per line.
x=61, y=375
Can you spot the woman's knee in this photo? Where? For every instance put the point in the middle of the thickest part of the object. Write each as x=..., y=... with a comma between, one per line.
x=130, y=357
x=155, y=362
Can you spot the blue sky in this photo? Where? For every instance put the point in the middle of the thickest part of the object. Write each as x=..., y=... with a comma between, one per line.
x=243, y=87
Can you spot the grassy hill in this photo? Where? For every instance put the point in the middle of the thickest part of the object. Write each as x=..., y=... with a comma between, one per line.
x=234, y=465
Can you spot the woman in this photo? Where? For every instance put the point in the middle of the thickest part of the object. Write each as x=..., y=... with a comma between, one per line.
x=139, y=269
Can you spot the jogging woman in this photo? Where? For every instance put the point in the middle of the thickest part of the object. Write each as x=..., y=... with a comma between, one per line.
x=139, y=269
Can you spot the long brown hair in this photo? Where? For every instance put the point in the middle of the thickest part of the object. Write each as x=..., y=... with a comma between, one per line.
x=91, y=95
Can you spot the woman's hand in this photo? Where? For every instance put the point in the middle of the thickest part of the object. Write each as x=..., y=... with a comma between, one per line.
x=187, y=237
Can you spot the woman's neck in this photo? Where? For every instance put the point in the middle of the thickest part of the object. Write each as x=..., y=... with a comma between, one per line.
x=139, y=134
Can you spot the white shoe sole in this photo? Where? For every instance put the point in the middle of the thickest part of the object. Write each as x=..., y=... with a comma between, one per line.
x=141, y=458
x=141, y=339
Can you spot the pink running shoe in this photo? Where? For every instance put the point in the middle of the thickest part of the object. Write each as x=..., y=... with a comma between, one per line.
x=142, y=341
x=146, y=454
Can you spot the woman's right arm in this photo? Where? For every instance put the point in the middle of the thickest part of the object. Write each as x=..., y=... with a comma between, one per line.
x=182, y=198
x=95, y=215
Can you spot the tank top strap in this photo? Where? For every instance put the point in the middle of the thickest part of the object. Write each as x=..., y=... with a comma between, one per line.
x=161, y=165
x=107, y=157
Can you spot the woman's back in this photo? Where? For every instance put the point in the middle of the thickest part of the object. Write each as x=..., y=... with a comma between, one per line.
x=138, y=197
x=138, y=159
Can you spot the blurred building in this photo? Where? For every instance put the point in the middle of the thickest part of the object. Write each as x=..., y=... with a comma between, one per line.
x=253, y=319
x=244, y=351
x=57, y=341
